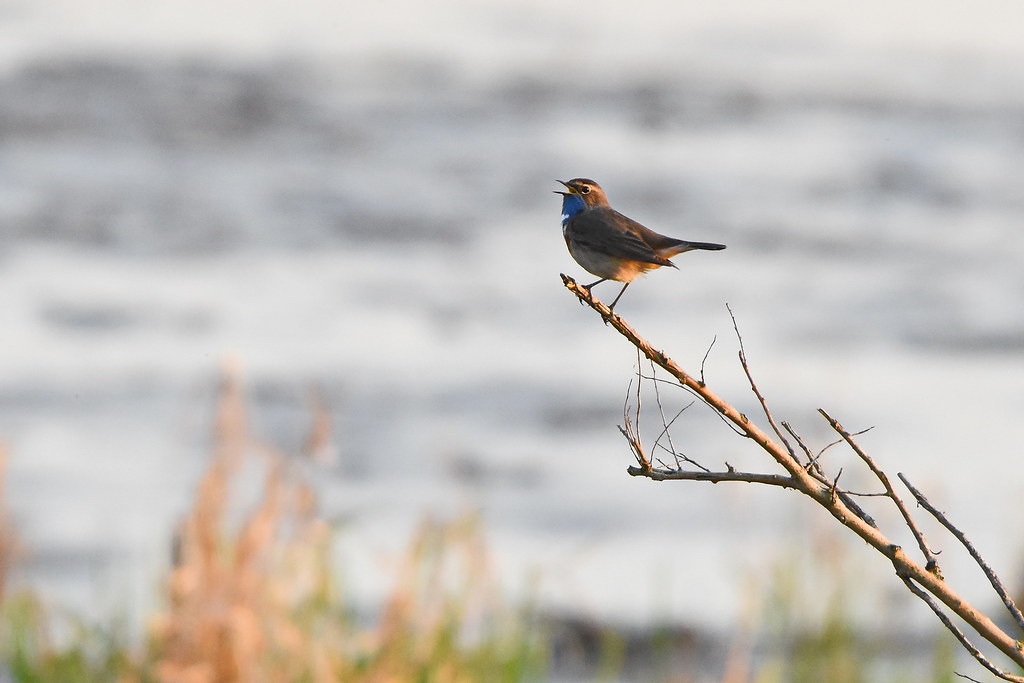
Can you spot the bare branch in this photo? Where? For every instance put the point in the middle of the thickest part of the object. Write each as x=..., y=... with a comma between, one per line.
x=714, y=477
x=993, y=579
x=744, y=425
x=800, y=479
x=753, y=387
x=815, y=470
x=932, y=563
x=957, y=633
x=805, y=480
x=631, y=428
x=811, y=460
x=679, y=456
x=827, y=446
x=635, y=446
x=705, y=358
x=957, y=673
x=661, y=410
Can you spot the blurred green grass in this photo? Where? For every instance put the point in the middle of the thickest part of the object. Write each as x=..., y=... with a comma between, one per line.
x=260, y=599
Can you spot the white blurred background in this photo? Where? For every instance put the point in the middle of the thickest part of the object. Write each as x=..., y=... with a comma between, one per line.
x=356, y=198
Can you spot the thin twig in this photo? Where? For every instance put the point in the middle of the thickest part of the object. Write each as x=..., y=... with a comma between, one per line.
x=815, y=469
x=957, y=633
x=822, y=451
x=993, y=579
x=632, y=433
x=705, y=358
x=635, y=446
x=757, y=392
x=835, y=484
x=932, y=561
x=639, y=382
x=678, y=455
x=665, y=424
x=862, y=494
x=658, y=380
x=731, y=424
x=714, y=477
x=800, y=442
x=661, y=410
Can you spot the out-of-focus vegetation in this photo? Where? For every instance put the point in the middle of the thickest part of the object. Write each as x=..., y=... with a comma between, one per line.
x=257, y=597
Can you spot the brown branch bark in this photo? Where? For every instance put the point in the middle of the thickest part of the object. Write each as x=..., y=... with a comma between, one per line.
x=994, y=580
x=799, y=479
x=714, y=477
x=932, y=563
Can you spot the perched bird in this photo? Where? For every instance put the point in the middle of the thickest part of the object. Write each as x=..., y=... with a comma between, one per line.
x=610, y=245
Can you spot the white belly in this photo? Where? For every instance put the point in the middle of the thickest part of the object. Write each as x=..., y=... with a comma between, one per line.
x=607, y=267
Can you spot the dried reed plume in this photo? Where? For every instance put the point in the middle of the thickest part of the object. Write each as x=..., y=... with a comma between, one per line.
x=256, y=601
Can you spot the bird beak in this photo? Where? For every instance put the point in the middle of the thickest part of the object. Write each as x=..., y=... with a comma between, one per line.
x=564, y=194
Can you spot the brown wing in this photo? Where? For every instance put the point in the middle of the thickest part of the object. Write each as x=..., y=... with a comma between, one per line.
x=609, y=232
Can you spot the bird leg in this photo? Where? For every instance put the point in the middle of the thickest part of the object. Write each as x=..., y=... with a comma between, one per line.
x=621, y=292
x=589, y=293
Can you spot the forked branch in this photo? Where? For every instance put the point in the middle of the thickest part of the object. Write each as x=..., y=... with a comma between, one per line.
x=924, y=581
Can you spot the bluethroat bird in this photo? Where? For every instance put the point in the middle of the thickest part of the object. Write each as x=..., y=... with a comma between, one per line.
x=608, y=244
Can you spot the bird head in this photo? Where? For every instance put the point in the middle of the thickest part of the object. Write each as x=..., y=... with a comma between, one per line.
x=586, y=190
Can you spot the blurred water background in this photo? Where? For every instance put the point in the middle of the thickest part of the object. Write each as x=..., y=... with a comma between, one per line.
x=353, y=201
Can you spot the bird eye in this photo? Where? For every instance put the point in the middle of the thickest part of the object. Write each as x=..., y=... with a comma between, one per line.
x=584, y=189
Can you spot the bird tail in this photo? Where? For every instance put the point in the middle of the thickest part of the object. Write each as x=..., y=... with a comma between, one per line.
x=681, y=246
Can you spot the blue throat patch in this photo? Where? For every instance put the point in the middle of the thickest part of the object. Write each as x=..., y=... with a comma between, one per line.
x=572, y=204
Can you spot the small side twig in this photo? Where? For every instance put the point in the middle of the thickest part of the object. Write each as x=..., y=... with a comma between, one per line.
x=993, y=579
x=932, y=561
x=705, y=358
x=757, y=392
x=661, y=411
x=815, y=469
x=958, y=633
x=780, y=480
x=811, y=460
